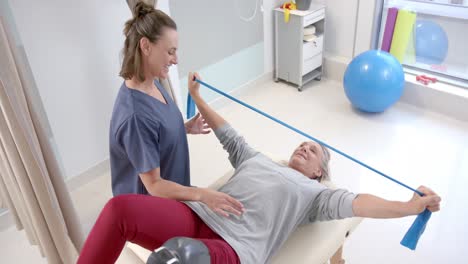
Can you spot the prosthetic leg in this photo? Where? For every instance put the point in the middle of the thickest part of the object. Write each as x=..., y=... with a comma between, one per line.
x=180, y=250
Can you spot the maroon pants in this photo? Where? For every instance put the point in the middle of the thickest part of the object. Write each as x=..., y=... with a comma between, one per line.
x=149, y=222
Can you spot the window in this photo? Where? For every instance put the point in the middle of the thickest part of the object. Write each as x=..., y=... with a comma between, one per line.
x=437, y=40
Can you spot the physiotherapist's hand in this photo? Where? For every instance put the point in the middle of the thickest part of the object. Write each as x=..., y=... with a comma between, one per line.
x=221, y=203
x=193, y=86
x=197, y=125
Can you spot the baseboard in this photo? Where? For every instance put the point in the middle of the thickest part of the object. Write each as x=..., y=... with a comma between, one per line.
x=335, y=67
x=221, y=101
x=442, y=98
x=90, y=174
x=73, y=183
x=6, y=221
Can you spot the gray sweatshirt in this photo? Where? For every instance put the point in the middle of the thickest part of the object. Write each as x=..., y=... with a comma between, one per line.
x=277, y=199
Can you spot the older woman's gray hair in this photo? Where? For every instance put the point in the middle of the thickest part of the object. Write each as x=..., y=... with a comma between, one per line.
x=324, y=165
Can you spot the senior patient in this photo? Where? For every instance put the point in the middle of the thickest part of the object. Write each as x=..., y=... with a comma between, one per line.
x=276, y=199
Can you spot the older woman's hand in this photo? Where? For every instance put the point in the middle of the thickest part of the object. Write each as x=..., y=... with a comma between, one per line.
x=194, y=86
x=197, y=125
x=430, y=200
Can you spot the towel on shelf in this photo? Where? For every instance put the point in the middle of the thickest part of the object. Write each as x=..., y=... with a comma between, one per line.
x=310, y=30
x=309, y=38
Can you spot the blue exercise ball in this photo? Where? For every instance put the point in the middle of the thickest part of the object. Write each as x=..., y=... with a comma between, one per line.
x=431, y=42
x=373, y=81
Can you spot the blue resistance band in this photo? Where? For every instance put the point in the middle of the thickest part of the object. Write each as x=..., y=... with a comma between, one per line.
x=411, y=238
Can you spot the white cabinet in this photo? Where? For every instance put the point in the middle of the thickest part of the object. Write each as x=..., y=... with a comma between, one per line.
x=299, y=45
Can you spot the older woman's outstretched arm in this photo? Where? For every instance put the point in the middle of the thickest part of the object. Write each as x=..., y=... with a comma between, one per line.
x=367, y=205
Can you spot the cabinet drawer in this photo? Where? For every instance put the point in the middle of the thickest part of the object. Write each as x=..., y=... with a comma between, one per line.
x=311, y=64
x=313, y=17
x=312, y=48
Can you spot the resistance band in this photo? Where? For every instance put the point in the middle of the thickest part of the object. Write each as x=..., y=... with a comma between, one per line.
x=411, y=237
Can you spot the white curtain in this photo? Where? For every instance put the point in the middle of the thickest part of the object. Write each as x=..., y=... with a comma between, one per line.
x=31, y=184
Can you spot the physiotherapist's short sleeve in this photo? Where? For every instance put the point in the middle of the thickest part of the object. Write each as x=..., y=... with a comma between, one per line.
x=139, y=138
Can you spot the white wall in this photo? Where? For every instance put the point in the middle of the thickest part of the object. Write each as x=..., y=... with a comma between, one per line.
x=349, y=26
x=173, y=70
x=340, y=27
x=268, y=33
x=73, y=48
x=211, y=31
x=364, y=26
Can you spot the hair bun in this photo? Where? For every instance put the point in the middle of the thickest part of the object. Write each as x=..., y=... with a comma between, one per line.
x=141, y=9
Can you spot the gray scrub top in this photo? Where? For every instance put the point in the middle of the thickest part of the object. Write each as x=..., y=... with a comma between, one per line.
x=146, y=134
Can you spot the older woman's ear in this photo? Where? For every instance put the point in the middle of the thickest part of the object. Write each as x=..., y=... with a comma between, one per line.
x=318, y=173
